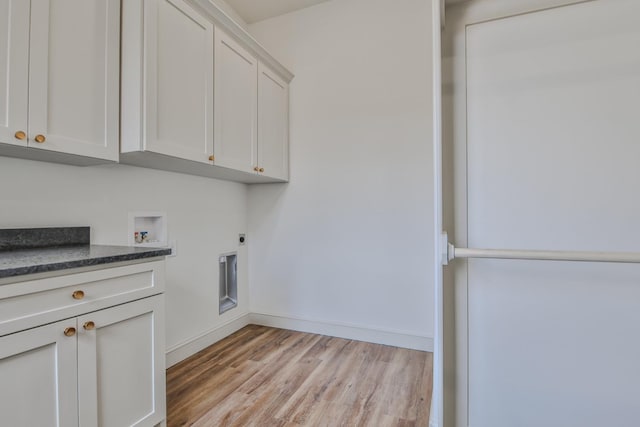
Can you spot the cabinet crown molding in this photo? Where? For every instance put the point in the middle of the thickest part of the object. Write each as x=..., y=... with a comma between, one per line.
x=223, y=20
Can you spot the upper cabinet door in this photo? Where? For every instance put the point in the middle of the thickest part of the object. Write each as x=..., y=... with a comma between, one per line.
x=74, y=77
x=178, y=81
x=273, y=124
x=235, y=105
x=14, y=70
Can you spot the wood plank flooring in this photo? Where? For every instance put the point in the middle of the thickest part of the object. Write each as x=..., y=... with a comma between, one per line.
x=266, y=377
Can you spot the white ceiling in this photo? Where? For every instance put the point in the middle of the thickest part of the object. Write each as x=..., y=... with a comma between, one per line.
x=257, y=10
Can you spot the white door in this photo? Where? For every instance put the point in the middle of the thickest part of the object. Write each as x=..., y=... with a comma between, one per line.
x=178, y=80
x=14, y=71
x=74, y=77
x=38, y=377
x=236, y=97
x=121, y=366
x=552, y=149
x=273, y=124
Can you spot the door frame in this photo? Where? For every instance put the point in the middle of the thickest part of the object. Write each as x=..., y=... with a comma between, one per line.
x=436, y=418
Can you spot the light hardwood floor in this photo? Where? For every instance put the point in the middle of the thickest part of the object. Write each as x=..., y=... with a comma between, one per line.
x=266, y=377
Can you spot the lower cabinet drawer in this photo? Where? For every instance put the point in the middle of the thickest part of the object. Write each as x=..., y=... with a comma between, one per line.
x=28, y=304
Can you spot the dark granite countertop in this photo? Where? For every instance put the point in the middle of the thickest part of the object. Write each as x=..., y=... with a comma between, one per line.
x=31, y=238
x=29, y=261
x=41, y=250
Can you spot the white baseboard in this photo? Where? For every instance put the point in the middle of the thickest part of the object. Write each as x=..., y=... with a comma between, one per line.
x=188, y=348
x=352, y=332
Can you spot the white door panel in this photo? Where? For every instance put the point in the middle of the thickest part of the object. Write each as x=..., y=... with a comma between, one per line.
x=552, y=343
x=553, y=102
x=553, y=129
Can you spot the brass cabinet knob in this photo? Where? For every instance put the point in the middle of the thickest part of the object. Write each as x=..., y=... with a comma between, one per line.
x=89, y=326
x=20, y=135
x=261, y=170
x=257, y=169
x=212, y=158
x=69, y=332
x=78, y=295
x=40, y=139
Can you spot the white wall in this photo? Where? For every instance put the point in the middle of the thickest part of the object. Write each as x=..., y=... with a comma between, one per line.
x=349, y=241
x=204, y=217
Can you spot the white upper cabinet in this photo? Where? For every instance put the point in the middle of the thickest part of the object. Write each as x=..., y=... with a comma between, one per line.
x=273, y=124
x=235, y=105
x=189, y=99
x=251, y=112
x=187, y=90
x=178, y=81
x=59, y=64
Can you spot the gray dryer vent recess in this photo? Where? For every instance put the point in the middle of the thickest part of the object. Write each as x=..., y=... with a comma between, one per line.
x=228, y=282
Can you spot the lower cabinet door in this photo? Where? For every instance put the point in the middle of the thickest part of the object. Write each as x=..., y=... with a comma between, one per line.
x=121, y=365
x=38, y=377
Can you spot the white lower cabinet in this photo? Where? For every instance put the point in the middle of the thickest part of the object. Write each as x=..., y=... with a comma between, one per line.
x=121, y=380
x=38, y=377
x=99, y=368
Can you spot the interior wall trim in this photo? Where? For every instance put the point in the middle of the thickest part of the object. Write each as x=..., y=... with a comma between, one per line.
x=179, y=352
x=358, y=333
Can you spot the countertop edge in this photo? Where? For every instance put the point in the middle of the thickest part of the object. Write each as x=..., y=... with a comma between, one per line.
x=21, y=271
